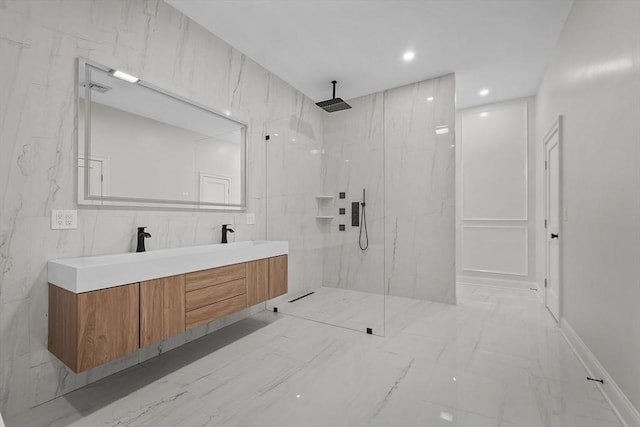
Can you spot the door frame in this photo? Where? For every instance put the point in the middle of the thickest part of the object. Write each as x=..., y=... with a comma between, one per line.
x=104, y=179
x=556, y=128
x=227, y=179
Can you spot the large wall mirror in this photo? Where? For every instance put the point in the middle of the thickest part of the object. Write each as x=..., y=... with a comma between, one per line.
x=139, y=145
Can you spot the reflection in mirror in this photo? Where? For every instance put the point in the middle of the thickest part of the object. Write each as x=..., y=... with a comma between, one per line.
x=139, y=145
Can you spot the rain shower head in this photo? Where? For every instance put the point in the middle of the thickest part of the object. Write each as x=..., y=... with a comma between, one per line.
x=334, y=104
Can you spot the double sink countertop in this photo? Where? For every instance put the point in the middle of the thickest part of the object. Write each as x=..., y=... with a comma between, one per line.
x=92, y=273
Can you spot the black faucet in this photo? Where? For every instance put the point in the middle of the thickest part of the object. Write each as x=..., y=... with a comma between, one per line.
x=225, y=230
x=141, y=236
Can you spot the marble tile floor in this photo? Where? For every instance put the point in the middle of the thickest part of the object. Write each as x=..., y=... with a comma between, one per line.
x=495, y=359
x=339, y=307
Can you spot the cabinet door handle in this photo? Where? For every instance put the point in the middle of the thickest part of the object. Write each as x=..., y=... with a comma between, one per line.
x=554, y=235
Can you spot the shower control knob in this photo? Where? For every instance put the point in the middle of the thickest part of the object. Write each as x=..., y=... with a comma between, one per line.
x=554, y=235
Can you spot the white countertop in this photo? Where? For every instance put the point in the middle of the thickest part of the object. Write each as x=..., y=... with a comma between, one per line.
x=99, y=272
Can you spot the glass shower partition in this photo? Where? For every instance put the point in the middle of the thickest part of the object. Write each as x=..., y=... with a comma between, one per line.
x=317, y=187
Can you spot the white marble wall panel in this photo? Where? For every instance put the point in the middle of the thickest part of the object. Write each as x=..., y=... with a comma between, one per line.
x=419, y=188
x=292, y=180
x=39, y=43
x=353, y=160
x=387, y=144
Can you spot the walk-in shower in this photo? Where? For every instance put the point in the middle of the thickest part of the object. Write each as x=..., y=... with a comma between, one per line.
x=316, y=199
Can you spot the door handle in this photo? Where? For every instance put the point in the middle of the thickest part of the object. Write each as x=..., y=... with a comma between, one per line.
x=554, y=235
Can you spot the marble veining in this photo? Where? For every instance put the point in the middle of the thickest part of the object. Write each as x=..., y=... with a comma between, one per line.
x=387, y=145
x=39, y=44
x=496, y=359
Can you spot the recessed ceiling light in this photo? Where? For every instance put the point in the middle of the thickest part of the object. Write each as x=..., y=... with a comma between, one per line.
x=124, y=76
x=446, y=416
x=408, y=56
x=430, y=98
x=227, y=112
x=484, y=92
x=484, y=114
x=275, y=134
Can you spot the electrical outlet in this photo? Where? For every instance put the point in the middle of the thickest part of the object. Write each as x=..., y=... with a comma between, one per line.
x=251, y=218
x=64, y=219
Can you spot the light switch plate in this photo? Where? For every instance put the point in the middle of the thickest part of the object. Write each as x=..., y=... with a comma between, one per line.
x=251, y=218
x=64, y=219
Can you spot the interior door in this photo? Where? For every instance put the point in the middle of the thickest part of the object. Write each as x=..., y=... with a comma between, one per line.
x=214, y=189
x=552, y=222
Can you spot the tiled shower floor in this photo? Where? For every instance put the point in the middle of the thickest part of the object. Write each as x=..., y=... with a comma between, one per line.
x=495, y=359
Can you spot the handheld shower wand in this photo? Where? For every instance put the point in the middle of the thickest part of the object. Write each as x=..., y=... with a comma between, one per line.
x=363, y=242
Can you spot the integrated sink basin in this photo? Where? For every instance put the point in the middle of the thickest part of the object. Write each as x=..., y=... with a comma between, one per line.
x=86, y=274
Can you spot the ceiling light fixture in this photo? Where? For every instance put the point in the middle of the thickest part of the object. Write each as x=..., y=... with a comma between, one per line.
x=484, y=92
x=124, y=76
x=484, y=114
x=442, y=129
x=408, y=56
x=446, y=416
x=430, y=98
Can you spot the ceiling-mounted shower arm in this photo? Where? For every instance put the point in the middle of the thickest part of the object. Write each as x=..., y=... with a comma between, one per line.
x=334, y=104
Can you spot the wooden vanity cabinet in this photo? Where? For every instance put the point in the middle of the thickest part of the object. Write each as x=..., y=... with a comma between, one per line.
x=92, y=328
x=257, y=281
x=162, y=309
x=278, y=280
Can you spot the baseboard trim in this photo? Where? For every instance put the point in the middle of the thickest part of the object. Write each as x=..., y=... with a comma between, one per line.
x=624, y=409
x=498, y=283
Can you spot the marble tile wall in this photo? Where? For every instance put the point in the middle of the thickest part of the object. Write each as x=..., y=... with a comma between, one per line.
x=387, y=144
x=292, y=179
x=39, y=42
x=420, y=190
x=353, y=160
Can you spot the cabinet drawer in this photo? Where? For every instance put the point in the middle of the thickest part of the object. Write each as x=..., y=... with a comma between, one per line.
x=211, y=312
x=215, y=276
x=212, y=294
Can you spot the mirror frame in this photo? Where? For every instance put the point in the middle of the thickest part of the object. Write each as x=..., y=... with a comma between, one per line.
x=86, y=200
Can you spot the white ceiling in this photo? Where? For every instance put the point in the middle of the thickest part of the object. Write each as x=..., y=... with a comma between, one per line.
x=502, y=45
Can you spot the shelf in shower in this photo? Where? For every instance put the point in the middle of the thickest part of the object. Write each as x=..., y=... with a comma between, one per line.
x=324, y=217
x=324, y=197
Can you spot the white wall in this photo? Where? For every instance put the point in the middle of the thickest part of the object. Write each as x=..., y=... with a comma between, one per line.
x=593, y=81
x=39, y=44
x=495, y=158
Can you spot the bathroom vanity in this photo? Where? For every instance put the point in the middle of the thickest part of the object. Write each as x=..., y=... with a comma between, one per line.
x=104, y=307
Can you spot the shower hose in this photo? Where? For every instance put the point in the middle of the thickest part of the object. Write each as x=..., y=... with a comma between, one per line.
x=364, y=243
